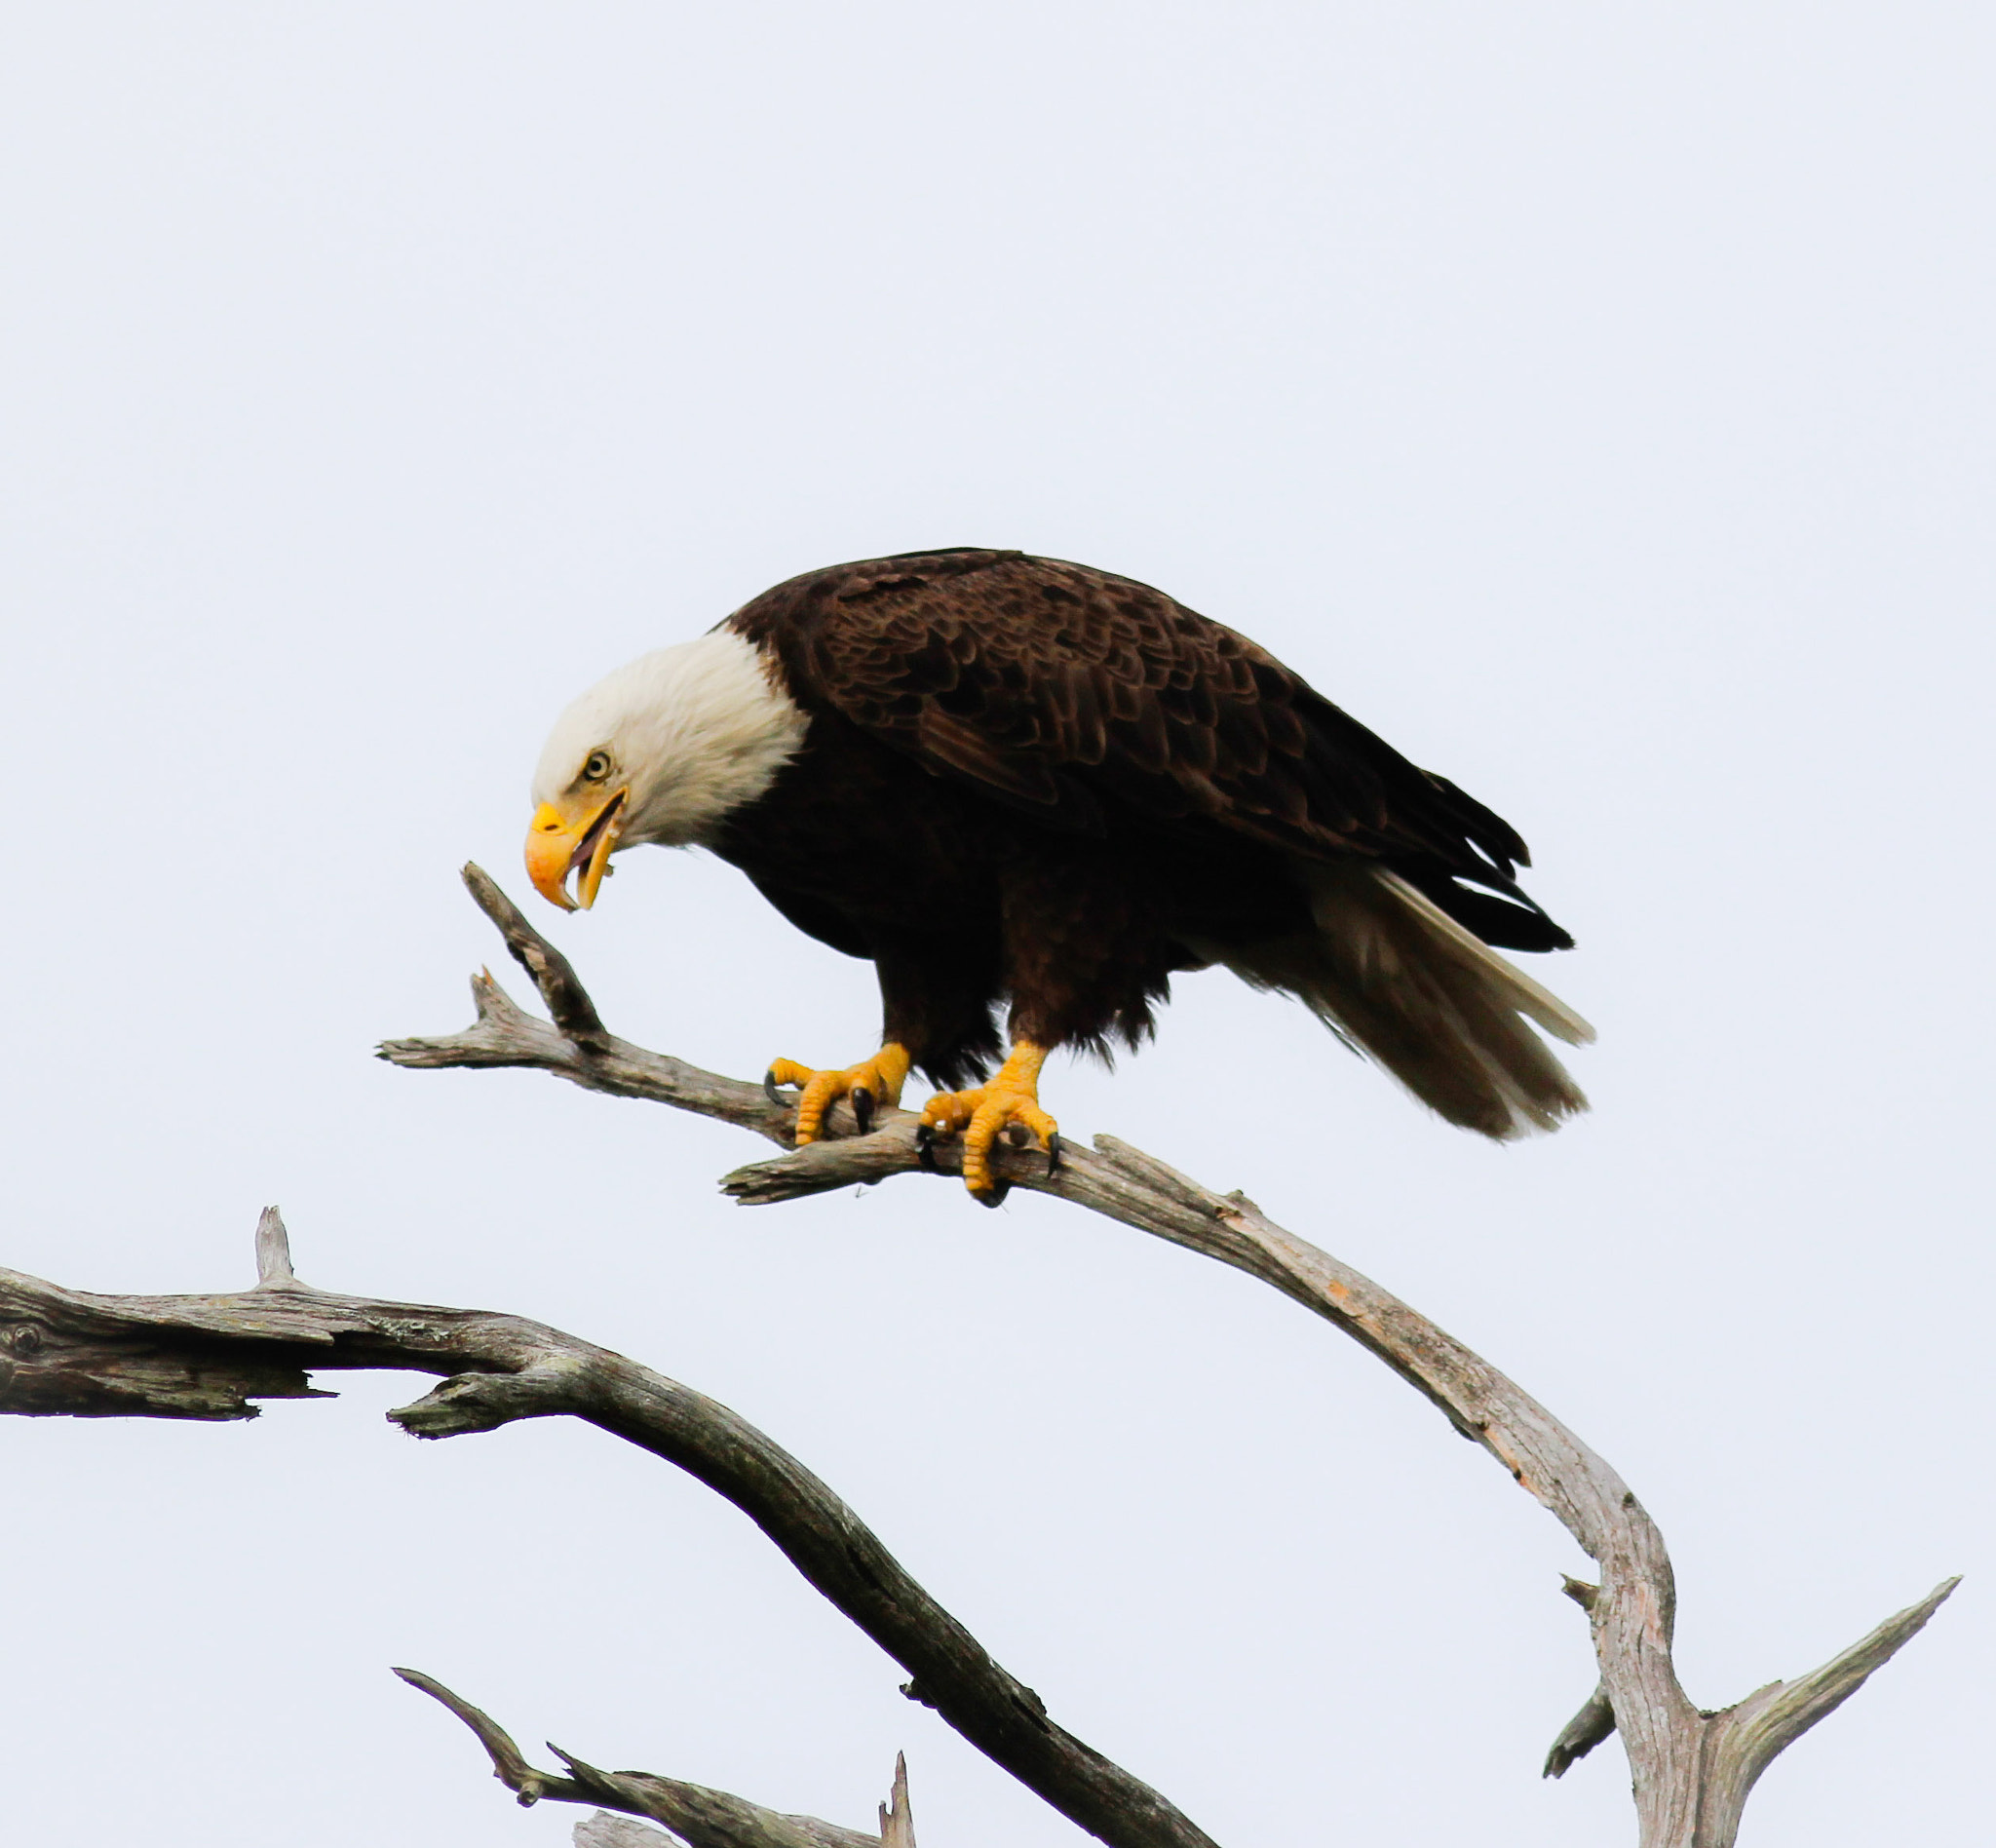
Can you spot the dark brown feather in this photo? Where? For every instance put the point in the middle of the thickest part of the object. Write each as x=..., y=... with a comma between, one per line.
x=1059, y=688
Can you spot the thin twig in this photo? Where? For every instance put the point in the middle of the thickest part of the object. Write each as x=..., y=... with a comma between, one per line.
x=1682, y=1761
x=703, y=1818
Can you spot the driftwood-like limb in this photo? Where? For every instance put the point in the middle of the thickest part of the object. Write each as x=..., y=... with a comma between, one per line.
x=700, y=1817
x=67, y=1353
x=1691, y=1770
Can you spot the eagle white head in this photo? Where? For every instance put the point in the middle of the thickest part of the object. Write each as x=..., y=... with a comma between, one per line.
x=657, y=751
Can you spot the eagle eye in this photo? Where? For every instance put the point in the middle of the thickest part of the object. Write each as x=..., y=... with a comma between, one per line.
x=598, y=766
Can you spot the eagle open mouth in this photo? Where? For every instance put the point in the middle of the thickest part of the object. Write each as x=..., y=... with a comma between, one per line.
x=591, y=860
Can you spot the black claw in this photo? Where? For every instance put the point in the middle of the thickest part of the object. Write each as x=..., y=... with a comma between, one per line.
x=925, y=1148
x=996, y=1197
x=1053, y=1154
x=863, y=1107
x=769, y=1091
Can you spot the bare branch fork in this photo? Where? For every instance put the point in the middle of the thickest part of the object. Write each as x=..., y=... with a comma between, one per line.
x=1691, y=1770
x=68, y=1353
x=703, y=1818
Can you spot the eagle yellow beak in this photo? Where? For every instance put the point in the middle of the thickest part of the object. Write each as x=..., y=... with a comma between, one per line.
x=557, y=845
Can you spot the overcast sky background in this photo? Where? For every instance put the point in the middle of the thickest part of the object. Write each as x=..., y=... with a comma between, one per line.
x=1595, y=401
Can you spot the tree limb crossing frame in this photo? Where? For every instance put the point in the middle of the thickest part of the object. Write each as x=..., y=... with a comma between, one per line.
x=68, y=1353
x=204, y=1357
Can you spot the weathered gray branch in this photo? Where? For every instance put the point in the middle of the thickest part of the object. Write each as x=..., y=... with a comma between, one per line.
x=68, y=1353
x=700, y=1817
x=1691, y=1770
x=896, y=1826
x=604, y=1830
x=1744, y=1740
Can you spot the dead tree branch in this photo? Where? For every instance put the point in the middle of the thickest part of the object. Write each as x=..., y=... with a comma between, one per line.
x=700, y=1817
x=67, y=1353
x=1691, y=1770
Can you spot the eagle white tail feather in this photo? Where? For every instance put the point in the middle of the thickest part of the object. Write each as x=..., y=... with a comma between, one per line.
x=1399, y=979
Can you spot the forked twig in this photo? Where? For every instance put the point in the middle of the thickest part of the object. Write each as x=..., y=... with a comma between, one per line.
x=703, y=1818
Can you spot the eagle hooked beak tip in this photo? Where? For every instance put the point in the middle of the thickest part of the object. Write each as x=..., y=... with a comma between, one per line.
x=558, y=846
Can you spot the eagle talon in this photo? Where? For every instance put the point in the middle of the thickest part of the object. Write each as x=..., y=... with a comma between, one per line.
x=924, y=1149
x=868, y=1085
x=1009, y=1106
x=770, y=1092
x=1053, y=1154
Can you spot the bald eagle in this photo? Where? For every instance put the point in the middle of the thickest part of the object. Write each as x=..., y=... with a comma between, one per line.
x=1012, y=779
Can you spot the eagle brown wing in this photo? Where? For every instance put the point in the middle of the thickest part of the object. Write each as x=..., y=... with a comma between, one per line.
x=1091, y=701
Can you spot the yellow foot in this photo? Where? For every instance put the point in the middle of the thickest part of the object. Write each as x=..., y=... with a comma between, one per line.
x=871, y=1084
x=1012, y=1098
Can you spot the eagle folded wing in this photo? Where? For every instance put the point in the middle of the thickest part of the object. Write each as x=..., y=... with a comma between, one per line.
x=1056, y=687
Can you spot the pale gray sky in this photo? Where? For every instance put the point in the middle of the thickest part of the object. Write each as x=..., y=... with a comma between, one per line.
x=1595, y=401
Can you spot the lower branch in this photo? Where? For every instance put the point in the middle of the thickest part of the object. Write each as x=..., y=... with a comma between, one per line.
x=1683, y=1780
x=700, y=1817
x=63, y=1352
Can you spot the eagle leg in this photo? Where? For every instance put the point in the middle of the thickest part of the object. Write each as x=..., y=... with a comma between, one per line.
x=871, y=1084
x=981, y=1115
